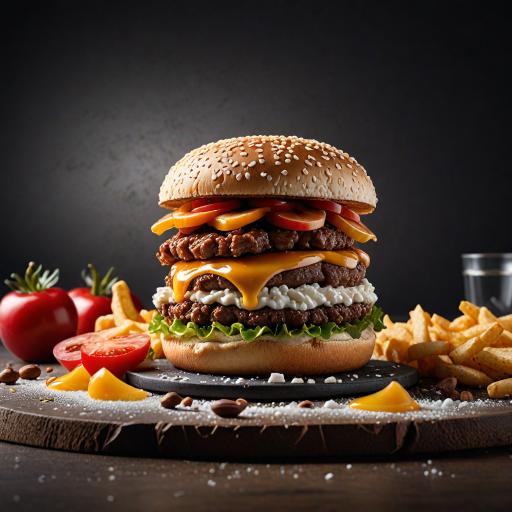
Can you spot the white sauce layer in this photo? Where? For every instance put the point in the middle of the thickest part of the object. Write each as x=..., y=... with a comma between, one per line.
x=307, y=296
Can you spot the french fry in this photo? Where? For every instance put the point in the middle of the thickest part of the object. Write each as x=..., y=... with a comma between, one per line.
x=400, y=332
x=156, y=345
x=387, y=321
x=420, y=332
x=506, y=322
x=499, y=359
x=147, y=316
x=486, y=317
x=122, y=304
x=473, y=346
x=464, y=374
x=426, y=349
x=474, y=331
x=505, y=340
x=461, y=323
x=395, y=350
x=500, y=388
x=104, y=322
x=469, y=309
x=441, y=322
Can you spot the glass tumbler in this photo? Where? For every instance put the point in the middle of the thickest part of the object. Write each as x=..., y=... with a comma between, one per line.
x=488, y=280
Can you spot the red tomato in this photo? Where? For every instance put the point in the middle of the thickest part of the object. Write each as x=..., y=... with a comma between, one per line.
x=95, y=301
x=118, y=355
x=324, y=204
x=224, y=206
x=349, y=214
x=68, y=352
x=31, y=324
x=275, y=204
x=304, y=220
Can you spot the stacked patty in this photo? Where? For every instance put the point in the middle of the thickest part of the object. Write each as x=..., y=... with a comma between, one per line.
x=207, y=243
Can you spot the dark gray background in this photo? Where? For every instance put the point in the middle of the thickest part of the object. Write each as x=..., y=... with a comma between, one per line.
x=100, y=98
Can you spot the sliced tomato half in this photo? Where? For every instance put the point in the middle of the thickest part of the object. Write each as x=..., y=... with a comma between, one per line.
x=68, y=352
x=274, y=204
x=325, y=204
x=225, y=206
x=118, y=355
x=356, y=230
x=303, y=220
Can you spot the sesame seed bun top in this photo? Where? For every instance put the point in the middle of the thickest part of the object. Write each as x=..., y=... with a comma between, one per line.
x=269, y=165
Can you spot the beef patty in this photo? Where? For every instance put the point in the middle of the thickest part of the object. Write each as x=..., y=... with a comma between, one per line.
x=203, y=314
x=322, y=273
x=208, y=243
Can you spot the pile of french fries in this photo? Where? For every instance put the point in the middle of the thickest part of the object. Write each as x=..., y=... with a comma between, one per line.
x=125, y=319
x=475, y=348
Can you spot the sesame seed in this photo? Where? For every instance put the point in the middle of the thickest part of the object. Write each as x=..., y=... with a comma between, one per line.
x=318, y=164
x=349, y=166
x=263, y=174
x=307, y=162
x=218, y=185
x=238, y=176
x=261, y=160
x=287, y=161
x=295, y=157
x=325, y=157
x=287, y=155
x=236, y=163
x=329, y=173
x=247, y=175
x=269, y=178
x=314, y=179
x=311, y=157
x=284, y=172
x=338, y=166
x=243, y=153
x=252, y=163
x=277, y=162
x=305, y=171
x=228, y=171
x=244, y=164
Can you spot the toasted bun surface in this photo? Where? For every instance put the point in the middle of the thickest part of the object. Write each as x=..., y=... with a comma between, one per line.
x=261, y=165
x=260, y=357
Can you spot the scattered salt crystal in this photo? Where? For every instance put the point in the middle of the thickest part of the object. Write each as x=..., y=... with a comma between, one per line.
x=297, y=380
x=292, y=404
x=295, y=476
x=275, y=378
x=211, y=483
x=240, y=380
x=331, y=404
x=448, y=402
x=110, y=498
x=349, y=466
x=329, y=476
x=330, y=380
x=311, y=381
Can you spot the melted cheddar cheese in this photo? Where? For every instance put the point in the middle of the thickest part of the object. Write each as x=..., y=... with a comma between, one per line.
x=250, y=274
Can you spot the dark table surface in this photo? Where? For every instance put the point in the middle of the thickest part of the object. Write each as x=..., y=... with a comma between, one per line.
x=37, y=479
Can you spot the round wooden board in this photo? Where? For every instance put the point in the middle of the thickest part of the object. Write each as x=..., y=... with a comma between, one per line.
x=372, y=377
x=31, y=414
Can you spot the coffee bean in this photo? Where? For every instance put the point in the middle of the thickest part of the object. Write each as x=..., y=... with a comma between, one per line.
x=229, y=408
x=49, y=380
x=9, y=376
x=187, y=402
x=30, y=372
x=170, y=400
x=306, y=404
x=49, y=369
x=466, y=396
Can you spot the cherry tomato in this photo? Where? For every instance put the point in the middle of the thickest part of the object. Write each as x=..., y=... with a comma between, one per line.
x=118, y=355
x=304, y=220
x=235, y=220
x=274, y=204
x=324, y=204
x=95, y=301
x=36, y=316
x=349, y=214
x=356, y=230
x=68, y=352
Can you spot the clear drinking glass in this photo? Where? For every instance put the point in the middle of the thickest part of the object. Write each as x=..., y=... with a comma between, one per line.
x=488, y=280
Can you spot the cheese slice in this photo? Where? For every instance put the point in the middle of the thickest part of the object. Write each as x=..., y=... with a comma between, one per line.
x=251, y=273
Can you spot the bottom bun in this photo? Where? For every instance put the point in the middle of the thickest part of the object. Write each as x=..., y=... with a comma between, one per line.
x=311, y=357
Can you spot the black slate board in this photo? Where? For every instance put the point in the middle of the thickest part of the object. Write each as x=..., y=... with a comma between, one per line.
x=372, y=377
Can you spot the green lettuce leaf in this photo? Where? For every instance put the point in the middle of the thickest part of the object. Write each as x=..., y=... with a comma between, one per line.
x=205, y=333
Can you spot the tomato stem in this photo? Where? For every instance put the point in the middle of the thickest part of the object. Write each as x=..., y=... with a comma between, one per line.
x=100, y=286
x=34, y=279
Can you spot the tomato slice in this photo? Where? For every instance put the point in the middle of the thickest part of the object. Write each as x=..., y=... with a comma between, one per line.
x=356, y=230
x=118, y=355
x=67, y=352
x=196, y=203
x=274, y=204
x=235, y=220
x=221, y=205
x=349, y=214
x=325, y=204
x=303, y=220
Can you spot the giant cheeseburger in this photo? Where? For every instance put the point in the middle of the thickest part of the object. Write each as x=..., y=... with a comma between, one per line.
x=264, y=272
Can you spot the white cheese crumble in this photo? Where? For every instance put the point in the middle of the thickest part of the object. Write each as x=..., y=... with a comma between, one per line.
x=297, y=380
x=331, y=404
x=307, y=296
x=276, y=378
x=330, y=380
